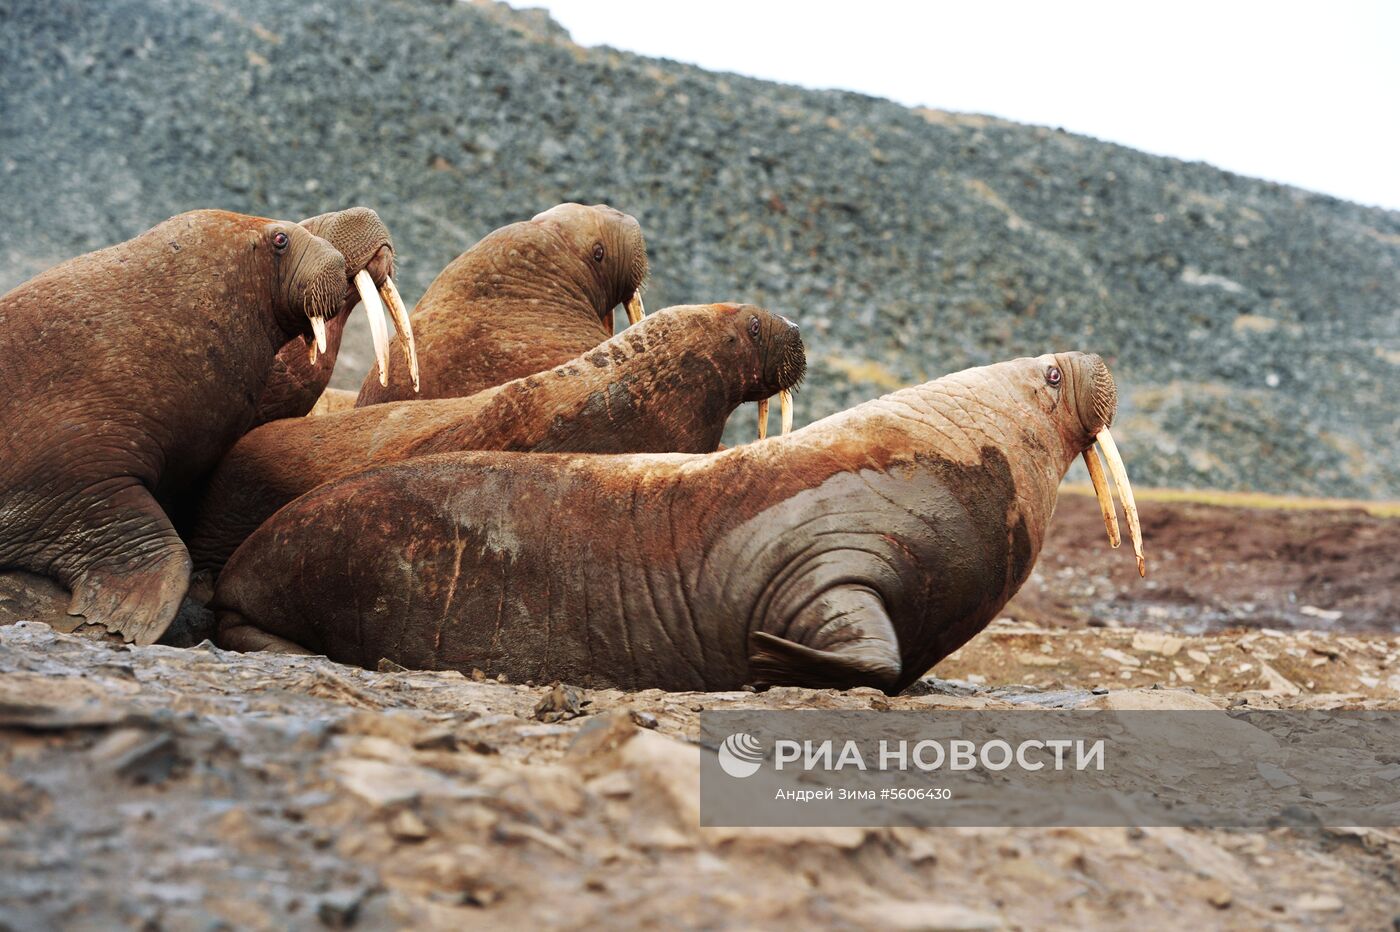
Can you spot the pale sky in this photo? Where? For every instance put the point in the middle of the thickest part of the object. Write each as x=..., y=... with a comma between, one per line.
x=1303, y=93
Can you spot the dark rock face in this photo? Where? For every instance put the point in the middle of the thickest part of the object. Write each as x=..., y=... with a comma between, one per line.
x=1255, y=327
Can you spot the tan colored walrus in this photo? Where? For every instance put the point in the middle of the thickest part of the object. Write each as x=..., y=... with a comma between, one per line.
x=858, y=551
x=526, y=298
x=127, y=374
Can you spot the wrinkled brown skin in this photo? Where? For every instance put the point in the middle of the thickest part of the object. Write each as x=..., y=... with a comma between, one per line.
x=526, y=298
x=295, y=383
x=128, y=372
x=667, y=384
x=860, y=550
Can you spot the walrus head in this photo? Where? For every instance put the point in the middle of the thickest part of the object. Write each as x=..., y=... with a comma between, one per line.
x=611, y=245
x=364, y=241
x=309, y=275
x=779, y=360
x=1082, y=396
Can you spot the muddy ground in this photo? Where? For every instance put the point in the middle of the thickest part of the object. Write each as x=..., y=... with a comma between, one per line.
x=195, y=788
x=1213, y=568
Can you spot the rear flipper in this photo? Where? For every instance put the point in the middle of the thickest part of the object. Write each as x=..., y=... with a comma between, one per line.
x=850, y=642
x=135, y=572
x=237, y=634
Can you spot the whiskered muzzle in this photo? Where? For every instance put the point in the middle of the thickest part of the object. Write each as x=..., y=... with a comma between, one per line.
x=791, y=370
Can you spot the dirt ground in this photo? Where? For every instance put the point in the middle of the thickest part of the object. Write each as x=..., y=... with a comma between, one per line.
x=192, y=788
x=1212, y=568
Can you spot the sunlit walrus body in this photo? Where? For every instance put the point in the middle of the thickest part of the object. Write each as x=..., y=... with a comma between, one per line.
x=860, y=550
x=528, y=296
x=126, y=373
x=668, y=384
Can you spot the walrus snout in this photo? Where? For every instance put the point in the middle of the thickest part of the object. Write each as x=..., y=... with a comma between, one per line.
x=363, y=239
x=320, y=284
x=1103, y=392
x=787, y=356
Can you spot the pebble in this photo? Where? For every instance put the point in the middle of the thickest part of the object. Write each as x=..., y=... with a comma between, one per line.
x=1318, y=903
x=407, y=826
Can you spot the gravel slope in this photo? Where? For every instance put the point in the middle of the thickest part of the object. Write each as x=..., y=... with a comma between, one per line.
x=1253, y=327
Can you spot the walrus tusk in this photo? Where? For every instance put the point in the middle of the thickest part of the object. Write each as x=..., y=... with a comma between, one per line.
x=397, y=310
x=318, y=327
x=1105, y=497
x=378, y=329
x=311, y=353
x=785, y=405
x=1125, y=495
x=635, y=310
x=763, y=419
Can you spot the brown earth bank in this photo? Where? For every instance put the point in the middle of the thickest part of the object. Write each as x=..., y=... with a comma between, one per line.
x=1211, y=568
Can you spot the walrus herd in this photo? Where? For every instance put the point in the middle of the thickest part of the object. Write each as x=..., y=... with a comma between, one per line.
x=515, y=488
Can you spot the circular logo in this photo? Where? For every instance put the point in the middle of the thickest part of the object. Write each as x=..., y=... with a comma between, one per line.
x=740, y=755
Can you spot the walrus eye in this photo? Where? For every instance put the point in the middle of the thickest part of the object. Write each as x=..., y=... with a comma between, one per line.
x=1052, y=375
x=280, y=241
x=753, y=328
x=598, y=252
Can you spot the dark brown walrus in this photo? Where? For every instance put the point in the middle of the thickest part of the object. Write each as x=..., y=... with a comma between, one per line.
x=303, y=369
x=526, y=298
x=860, y=550
x=127, y=373
x=665, y=385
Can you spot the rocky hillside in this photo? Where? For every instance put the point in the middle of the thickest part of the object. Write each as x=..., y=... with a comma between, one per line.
x=1254, y=328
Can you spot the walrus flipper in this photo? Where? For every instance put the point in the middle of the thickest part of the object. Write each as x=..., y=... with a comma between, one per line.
x=236, y=634
x=858, y=646
x=133, y=584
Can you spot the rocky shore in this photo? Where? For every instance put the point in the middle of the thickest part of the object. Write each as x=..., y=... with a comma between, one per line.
x=166, y=788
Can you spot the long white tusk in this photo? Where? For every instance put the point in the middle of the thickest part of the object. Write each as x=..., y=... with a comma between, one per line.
x=1105, y=497
x=763, y=419
x=635, y=310
x=311, y=353
x=399, y=312
x=318, y=327
x=378, y=327
x=1125, y=495
x=785, y=404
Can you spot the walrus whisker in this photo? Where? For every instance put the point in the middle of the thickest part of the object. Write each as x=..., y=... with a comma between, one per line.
x=1102, y=493
x=785, y=405
x=1125, y=494
x=378, y=327
x=635, y=309
x=397, y=310
x=763, y=419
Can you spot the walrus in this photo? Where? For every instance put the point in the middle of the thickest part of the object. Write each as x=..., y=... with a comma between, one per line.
x=128, y=372
x=668, y=384
x=857, y=551
x=302, y=368
x=524, y=299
